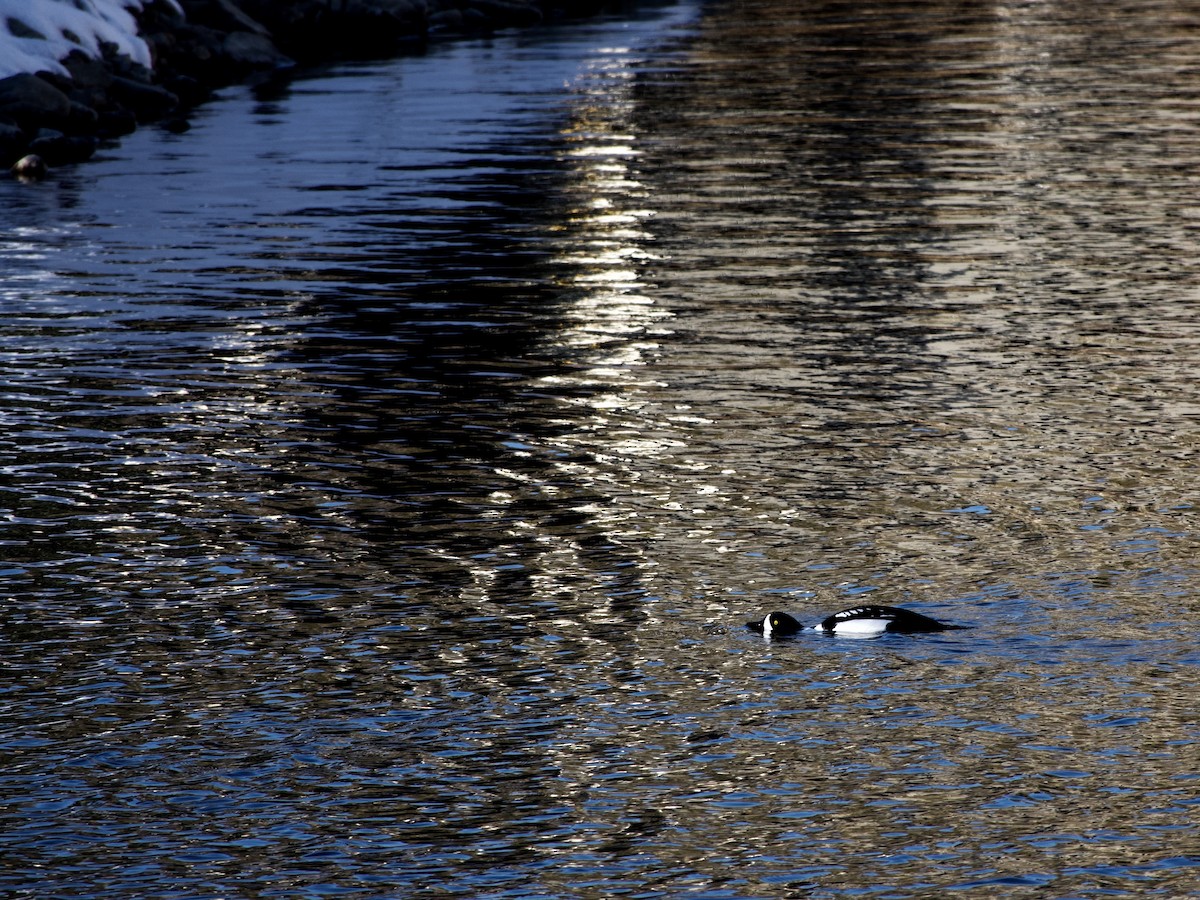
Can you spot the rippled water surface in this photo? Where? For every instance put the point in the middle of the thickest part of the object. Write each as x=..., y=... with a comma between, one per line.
x=391, y=462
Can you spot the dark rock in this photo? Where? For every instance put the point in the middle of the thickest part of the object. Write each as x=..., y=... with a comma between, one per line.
x=30, y=101
x=29, y=168
x=222, y=15
x=192, y=50
x=247, y=52
x=405, y=10
x=82, y=118
x=86, y=71
x=122, y=66
x=190, y=91
x=18, y=28
x=507, y=14
x=145, y=101
x=312, y=30
x=446, y=20
x=58, y=149
x=476, y=20
x=116, y=122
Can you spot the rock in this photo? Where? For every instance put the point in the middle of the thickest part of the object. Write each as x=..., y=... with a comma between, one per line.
x=507, y=14
x=247, y=51
x=476, y=20
x=58, y=149
x=81, y=118
x=144, y=100
x=115, y=123
x=87, y=73
x=316, y=30
x=404, y=10
x=30, y=101
x=223, y=15
x=29, y=168
x=18, y=28
x=446, y=20
x=190, y=91
x=90, y=80
x=191, y=50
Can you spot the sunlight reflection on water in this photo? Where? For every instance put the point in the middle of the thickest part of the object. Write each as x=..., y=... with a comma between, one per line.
x=383, y=501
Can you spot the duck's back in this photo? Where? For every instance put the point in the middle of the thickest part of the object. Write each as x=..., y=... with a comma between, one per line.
x=875, y=619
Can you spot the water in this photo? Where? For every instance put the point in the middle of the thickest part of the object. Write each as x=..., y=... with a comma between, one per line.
x=390, y=463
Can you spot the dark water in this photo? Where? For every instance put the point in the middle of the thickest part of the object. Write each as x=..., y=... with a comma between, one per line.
x=390, y=462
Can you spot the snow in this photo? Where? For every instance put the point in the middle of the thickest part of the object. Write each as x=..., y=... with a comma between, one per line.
x=65, y=25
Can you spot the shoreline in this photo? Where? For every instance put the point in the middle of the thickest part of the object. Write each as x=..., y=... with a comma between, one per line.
x=49, y=119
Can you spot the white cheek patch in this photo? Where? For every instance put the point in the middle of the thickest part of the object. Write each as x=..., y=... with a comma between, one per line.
x=767, y=629
x=861, y=627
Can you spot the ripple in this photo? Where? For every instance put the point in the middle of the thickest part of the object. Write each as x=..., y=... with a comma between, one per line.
x=382, y=500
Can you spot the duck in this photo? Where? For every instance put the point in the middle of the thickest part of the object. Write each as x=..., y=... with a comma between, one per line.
x=858, y=621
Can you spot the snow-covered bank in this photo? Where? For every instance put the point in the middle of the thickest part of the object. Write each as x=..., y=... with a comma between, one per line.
x=36, y=35
x=74, y=73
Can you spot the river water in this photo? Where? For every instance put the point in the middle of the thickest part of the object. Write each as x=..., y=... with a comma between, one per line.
x=391, y=462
